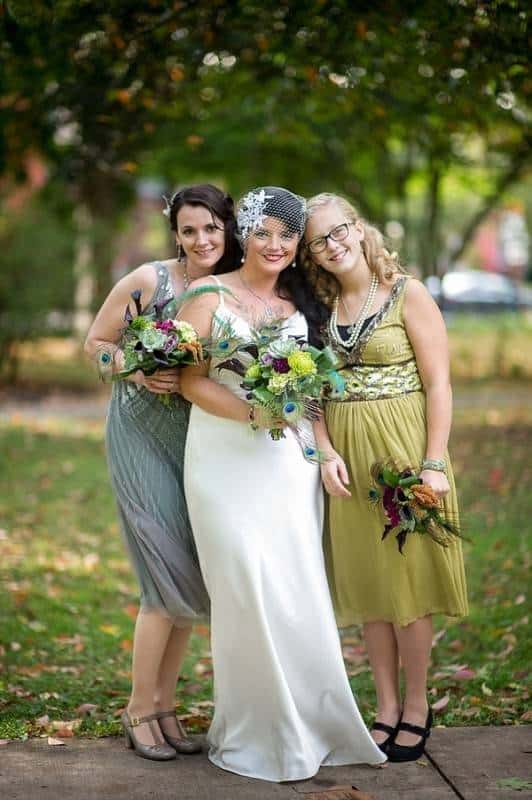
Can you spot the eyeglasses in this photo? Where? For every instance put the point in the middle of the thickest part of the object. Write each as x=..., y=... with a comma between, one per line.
x=337, y=234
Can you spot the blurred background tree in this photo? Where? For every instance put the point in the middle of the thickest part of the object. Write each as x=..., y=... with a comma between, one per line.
x=417, y=111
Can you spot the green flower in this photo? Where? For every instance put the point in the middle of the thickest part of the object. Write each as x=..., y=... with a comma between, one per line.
x=301, y=363
x=278, y=383
x=186, y=331
x=253, y=371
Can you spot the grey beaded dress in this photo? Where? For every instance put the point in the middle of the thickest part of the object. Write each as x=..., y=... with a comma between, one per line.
x=145, y=442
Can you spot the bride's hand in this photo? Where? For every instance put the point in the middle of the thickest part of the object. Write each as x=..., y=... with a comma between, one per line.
x=164, y=381
x=335, y=476
x=264, y=419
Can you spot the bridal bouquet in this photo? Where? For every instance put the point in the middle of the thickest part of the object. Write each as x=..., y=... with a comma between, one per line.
x=286, y=376
x=150, y=343
x=408, y=504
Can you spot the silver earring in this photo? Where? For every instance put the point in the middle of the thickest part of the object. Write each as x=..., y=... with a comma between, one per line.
x=242, y=259
x=293, y=264
x=180, y=252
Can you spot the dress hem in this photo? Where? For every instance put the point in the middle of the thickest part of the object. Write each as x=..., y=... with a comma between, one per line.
x=304, y=777
x=361, y=620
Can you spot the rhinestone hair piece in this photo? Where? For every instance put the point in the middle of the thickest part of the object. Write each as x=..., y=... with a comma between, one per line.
x=270, y=201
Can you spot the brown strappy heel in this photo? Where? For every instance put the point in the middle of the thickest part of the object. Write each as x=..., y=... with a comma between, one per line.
x=183, y=744
x=155, y=752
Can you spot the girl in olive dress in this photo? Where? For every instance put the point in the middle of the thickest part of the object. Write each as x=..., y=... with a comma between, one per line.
x=391, y=340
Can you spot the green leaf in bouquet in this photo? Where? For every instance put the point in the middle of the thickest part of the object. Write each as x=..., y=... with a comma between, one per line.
x=327, y=359
x=389, y=477
x=410, y=481
x=264, y=396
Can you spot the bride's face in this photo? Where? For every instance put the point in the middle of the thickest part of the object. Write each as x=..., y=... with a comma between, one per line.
x=271, y=247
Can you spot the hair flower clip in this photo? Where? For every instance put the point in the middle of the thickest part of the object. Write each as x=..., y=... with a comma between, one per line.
x=168, y=207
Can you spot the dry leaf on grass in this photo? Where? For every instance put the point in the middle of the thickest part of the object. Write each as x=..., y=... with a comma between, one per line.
x=440, y=704
x=86, y=708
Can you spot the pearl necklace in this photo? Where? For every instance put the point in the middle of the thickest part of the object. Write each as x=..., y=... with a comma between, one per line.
x=356, y=328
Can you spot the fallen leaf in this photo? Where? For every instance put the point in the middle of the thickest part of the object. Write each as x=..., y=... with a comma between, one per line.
x=42, y=722
x=464, y=674
x=112, y=630
x=54, y=742
x=440, y=704
x=527, y=716
x=64, y=733
x=131, y=610
x=126, y=645
x=339, y=793
x=86, y=708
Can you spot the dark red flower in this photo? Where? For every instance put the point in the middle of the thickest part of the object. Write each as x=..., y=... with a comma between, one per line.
x=390, y=506
x=281, y=365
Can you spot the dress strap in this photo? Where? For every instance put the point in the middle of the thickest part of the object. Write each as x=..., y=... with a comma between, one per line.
x=221, y=304
x=400, y=296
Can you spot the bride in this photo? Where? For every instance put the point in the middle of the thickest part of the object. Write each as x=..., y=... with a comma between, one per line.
x=283, y=702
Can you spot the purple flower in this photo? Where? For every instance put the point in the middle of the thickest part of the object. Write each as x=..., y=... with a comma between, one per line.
x=267, y=359
x=281, y=365
x=166, y=325
x=171, y=342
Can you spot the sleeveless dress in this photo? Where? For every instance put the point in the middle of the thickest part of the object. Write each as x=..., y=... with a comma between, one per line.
x=283, y=704
x=145, y=442
x=382, y=417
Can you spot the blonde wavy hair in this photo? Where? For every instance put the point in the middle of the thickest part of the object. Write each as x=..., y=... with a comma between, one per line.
x=380, y=261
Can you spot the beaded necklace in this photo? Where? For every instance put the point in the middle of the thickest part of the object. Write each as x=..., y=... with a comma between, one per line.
x=358, y=323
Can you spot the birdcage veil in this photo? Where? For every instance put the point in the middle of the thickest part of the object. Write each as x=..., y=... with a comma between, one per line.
x=273, y=202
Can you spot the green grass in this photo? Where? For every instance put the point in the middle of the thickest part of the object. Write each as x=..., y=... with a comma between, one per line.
x=68, y=599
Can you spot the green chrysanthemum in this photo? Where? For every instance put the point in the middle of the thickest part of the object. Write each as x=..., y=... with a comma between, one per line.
x=301, y=363
x=253, y=371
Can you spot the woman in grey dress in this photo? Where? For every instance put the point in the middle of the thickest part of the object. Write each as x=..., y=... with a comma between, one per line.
x=145, y=447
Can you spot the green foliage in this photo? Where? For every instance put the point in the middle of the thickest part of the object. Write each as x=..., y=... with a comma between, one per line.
x=68, y=596
x=36, y=274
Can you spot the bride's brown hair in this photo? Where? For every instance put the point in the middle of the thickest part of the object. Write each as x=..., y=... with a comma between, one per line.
x=380, y=261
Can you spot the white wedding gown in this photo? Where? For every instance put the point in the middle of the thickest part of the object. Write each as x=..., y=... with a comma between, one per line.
x=283, y=704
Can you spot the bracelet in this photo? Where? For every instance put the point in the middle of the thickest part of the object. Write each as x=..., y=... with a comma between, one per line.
x=251, y=419
x=436, y=464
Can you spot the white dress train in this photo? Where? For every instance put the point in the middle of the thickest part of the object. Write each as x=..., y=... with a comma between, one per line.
x=283, y=704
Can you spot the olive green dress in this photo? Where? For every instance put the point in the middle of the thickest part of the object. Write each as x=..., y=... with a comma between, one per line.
x=384, y=417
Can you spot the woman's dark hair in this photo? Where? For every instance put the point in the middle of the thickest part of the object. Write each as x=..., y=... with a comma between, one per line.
x=293, y=284
x=221, y=207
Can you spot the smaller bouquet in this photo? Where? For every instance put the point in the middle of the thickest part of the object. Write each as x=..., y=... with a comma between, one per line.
x=150, y=343
x=408, y=504
x=286, y=376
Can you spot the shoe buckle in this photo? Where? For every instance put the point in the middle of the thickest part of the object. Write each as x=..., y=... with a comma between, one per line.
x=134, y=721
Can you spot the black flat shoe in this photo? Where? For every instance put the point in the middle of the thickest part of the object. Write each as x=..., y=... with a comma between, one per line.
x=400, y=752
x=390, y=730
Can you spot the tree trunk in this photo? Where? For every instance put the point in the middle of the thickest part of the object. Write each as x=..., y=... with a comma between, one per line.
x=430, y=246
x=514, y=171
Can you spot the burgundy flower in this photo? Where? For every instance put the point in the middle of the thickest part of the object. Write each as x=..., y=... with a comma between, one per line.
x=281, y=365
x=388, y=501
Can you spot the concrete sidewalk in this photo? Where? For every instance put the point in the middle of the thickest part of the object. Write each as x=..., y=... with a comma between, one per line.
x=465, y=763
